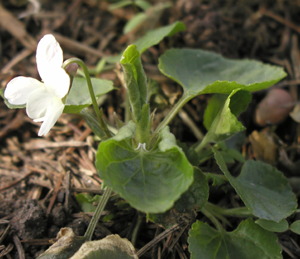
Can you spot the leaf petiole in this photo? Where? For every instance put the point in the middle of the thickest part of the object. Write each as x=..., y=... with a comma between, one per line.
x=173, y=112
x=99, y=209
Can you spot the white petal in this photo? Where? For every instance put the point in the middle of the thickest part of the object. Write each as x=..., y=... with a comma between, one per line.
x=38, y=102
x=58, y=82
x=52, y=115
x=20, y=88
x=49, y=56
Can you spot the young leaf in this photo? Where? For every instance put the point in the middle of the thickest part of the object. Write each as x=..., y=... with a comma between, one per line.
x=79, y=97
x=248, y=241
x=153, y=37
x=112, y=247
x=86, y=201
x=295, y=227
x=272, y=226
x=202, y=72
x=264, y=190
x=220, y=116
x=151, y=181
x=134, y=22
x=135, y=79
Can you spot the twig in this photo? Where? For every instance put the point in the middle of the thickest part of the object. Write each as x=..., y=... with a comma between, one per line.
x=15, y=60
x=158, y=238
x=55, y=192
x=14, y=124
x=279, y=19
x=191, y=124
x=83, y=135
x=19, y=247
x=4, y=233
x=77, y=47
x=15, y=182
x=16, y=28
x=7, y=250
x=87, y=190
x=42, y=144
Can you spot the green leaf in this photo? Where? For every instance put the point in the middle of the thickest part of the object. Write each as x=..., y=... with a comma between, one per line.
x=119, y=4
x=272, y=226
x=151, y=181
x=79, y=97
x=142, y=4
x=89, y=116
x=248, y=241
x=153, y=37
x=197, y=194
x=112, y=247
x=295, y=227
x=193, y=199
x=264, y=190
x=202, y=72
x=134, y=22
x=220, y=116
x=86, y=201
x=135, y=80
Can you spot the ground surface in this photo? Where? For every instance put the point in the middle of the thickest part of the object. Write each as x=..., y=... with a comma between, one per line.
x=39, y=176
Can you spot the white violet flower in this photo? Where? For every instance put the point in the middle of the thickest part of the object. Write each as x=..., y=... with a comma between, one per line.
x=44, y=100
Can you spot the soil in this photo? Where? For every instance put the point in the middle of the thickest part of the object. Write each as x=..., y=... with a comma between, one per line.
x=39, y=179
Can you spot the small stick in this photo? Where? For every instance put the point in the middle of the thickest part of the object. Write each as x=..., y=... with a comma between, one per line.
x=15, y=182
x=77, y=47
x=15, y=60
x=16, y=28
x=55, y=192
x=19, y=247
x=158, y=238
x=279, y=19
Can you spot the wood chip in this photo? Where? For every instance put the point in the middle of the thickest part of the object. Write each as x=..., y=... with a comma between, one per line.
x=16, y=28
x=42, y=144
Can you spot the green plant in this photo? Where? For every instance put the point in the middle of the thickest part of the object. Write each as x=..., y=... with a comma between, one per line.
x=147, y=167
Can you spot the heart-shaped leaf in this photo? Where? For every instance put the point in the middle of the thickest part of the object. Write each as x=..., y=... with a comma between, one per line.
x=202, y=72
x=79, y=97
x=193, y=199
x=151, y=181
x=264, y=190
x=248, y=241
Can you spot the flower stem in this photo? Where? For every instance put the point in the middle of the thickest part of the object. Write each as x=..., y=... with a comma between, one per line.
x=176, y=108
x=91, y=91
x=104, y=199
x=100, y=207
